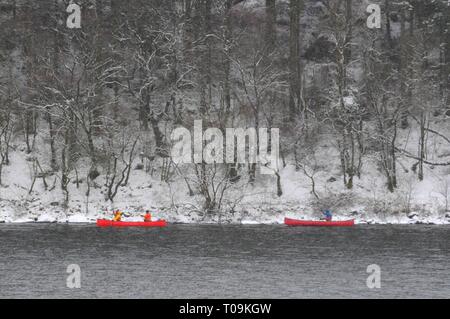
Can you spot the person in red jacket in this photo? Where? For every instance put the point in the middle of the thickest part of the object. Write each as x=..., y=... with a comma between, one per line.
x=147, y=216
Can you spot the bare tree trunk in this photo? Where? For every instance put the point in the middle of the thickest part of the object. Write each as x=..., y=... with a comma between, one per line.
x=228, y=38
x=294, y=57
x=53, y=162
x=349, y=33
x=64, y=169
x=422, y=144
x=388, y=22
x=271, y=21
x=159, y=136
x=188, y=32
x=446, y=75
x=204, y=59
x=405, y=68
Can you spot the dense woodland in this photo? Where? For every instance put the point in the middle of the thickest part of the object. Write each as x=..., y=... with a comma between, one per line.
x=91, y=105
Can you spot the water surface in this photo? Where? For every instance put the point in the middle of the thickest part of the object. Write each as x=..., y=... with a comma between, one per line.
x=209, y=261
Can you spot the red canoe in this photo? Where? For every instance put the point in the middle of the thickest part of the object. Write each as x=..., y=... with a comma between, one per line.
x=110, y=223
x=322, y=223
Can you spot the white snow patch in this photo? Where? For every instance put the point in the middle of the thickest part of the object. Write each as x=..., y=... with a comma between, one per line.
x=79, y=218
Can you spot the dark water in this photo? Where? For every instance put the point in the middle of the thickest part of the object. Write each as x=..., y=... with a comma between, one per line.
x=224, y=261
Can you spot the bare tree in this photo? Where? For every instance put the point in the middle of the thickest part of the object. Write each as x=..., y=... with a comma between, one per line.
x=6, y=130
x=118, y=173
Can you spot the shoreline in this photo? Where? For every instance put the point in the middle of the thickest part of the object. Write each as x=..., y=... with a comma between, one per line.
x=245, y=223
x=244, y=216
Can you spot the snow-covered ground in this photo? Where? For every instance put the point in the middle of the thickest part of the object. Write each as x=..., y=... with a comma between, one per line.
x=368, y=202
